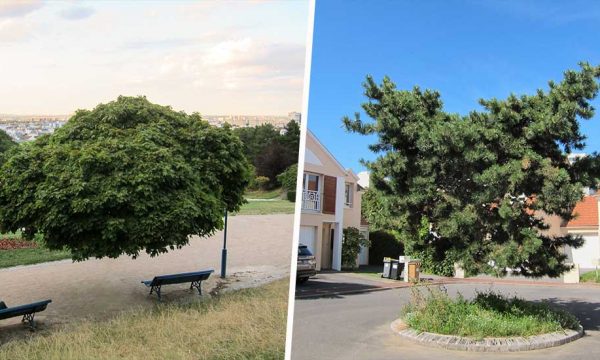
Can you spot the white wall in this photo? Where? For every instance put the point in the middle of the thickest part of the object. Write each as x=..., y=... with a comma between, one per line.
x=586, y=254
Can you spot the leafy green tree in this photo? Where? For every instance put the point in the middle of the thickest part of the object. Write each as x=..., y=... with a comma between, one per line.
x=287, y=179
x=474, y=188
x=124, y=177
x=269, y=151
x=6, y=143
x=351, y=244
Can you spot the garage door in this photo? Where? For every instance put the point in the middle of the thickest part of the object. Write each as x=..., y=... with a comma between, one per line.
x=588, y=253
x=308, y=235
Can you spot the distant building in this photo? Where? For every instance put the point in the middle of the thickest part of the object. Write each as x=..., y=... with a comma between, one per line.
x=296, y=116
x=29, y=127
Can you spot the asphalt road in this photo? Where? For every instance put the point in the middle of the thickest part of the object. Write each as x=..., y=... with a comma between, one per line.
x=357, y=326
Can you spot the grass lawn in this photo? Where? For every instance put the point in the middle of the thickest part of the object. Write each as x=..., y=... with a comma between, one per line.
x=487, y=315
x=244, y=324
x=262, y=194
x=590, y=277
x=16, y=257
x=267, y=207
x=27, y=256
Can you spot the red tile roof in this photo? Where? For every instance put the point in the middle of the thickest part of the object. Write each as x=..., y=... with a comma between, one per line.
x=586, y=212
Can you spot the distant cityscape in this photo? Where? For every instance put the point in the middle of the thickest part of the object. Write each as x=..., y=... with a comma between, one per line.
x=29, y=127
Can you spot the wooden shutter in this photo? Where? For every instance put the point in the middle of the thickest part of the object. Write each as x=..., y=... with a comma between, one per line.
x=329, y=191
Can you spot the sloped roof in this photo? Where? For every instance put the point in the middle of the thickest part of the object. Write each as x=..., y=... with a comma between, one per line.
x=586, y=213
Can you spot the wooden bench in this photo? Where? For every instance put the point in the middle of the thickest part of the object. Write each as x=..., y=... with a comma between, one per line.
x=27, y=311
x=195, y=278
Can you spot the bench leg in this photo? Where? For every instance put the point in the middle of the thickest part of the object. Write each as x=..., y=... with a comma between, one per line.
x=197, y=285
x=156, y=289
x=28, y=318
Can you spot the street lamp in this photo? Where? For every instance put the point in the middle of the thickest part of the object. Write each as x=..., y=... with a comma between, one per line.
x=224, y=251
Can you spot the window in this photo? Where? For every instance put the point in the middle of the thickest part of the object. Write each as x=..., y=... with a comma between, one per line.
x=311, y=182
x=349, y=195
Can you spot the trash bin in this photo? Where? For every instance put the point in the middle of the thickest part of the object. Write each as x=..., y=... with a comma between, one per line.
x=396, y=271
x=387, y=267
x=414, y=269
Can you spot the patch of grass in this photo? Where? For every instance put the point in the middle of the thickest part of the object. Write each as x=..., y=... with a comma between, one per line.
x=11, y=236
x=244, y=324
x=487, y=315
x=263, y=194
x=267, y=207
x=30, y=256
x=590, y=277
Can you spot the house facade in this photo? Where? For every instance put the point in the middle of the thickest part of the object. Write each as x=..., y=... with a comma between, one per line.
x=331, y=201
x=586, y=223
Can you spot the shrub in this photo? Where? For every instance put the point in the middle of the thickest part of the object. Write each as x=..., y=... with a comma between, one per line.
x=487, y=315
x=383, y=244
x=351, y=244
x=262, y=182
x=287, y=179
x=291, y=196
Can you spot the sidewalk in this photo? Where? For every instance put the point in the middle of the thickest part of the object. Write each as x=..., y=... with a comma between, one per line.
x=102, y=288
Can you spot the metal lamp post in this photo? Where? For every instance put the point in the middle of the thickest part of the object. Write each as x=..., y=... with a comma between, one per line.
x=224, y=251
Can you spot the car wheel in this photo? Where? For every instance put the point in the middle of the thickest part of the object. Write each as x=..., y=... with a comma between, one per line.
x=302, y=280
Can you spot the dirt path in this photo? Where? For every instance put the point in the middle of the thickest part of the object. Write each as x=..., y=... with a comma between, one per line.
x=259, y=249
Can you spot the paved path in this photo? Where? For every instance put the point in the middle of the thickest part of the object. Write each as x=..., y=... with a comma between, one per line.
x=357, y=326
x=259, y=249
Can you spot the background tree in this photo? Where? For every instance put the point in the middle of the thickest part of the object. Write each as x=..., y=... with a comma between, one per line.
x=472, y=189
x=287, y=179
x=124, y=177
x=6, y=142
x=269, y=151
x=351, y=244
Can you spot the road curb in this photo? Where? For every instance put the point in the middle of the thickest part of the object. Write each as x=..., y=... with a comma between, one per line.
x=511, y=344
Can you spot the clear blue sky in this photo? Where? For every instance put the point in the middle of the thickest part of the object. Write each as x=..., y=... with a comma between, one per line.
x=465, y=49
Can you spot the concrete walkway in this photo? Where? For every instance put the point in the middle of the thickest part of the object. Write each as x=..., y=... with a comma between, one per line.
x=259, y=250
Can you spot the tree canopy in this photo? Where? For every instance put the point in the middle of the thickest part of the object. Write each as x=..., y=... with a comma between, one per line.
x=269, y=151
x=124, y=177
x=6, y=142
x=475, y=189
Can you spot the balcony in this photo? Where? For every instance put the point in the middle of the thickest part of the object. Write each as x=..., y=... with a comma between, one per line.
x=311, y=200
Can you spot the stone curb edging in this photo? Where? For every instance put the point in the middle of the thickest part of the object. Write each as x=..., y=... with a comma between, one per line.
x=511, y=344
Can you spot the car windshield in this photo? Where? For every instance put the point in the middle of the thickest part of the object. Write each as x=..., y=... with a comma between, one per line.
x=303, y=251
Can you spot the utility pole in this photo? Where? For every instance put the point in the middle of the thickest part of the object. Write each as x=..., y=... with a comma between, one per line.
x=224, y=251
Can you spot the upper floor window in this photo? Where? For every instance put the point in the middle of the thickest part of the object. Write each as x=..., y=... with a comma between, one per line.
x=311, y=182
x=349, y=194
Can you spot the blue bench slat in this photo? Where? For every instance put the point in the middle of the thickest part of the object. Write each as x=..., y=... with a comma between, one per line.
x=24, y=309
x=176, y=278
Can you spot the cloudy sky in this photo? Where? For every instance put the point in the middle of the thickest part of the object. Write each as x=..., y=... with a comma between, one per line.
x=211, y=57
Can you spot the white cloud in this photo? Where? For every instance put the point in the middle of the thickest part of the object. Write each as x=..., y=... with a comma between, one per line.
x=251, y=61
x=77, y=13
x=18, y=8
x=12, y=30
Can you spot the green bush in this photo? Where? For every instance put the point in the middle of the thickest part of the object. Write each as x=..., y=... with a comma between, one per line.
x=291, y=196
x=262, y=182
x=488, y=315
x=287, y=179
x=383, y=244
x=351, y=244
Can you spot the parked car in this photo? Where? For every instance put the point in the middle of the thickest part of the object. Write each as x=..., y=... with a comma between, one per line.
x=307, y=266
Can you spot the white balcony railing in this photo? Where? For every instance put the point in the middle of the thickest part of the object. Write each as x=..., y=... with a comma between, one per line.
x=311, y=200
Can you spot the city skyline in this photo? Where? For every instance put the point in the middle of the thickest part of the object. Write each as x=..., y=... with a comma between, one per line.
x=196, y=57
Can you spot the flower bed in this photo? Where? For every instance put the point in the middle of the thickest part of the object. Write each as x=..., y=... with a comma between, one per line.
x=12, y=244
